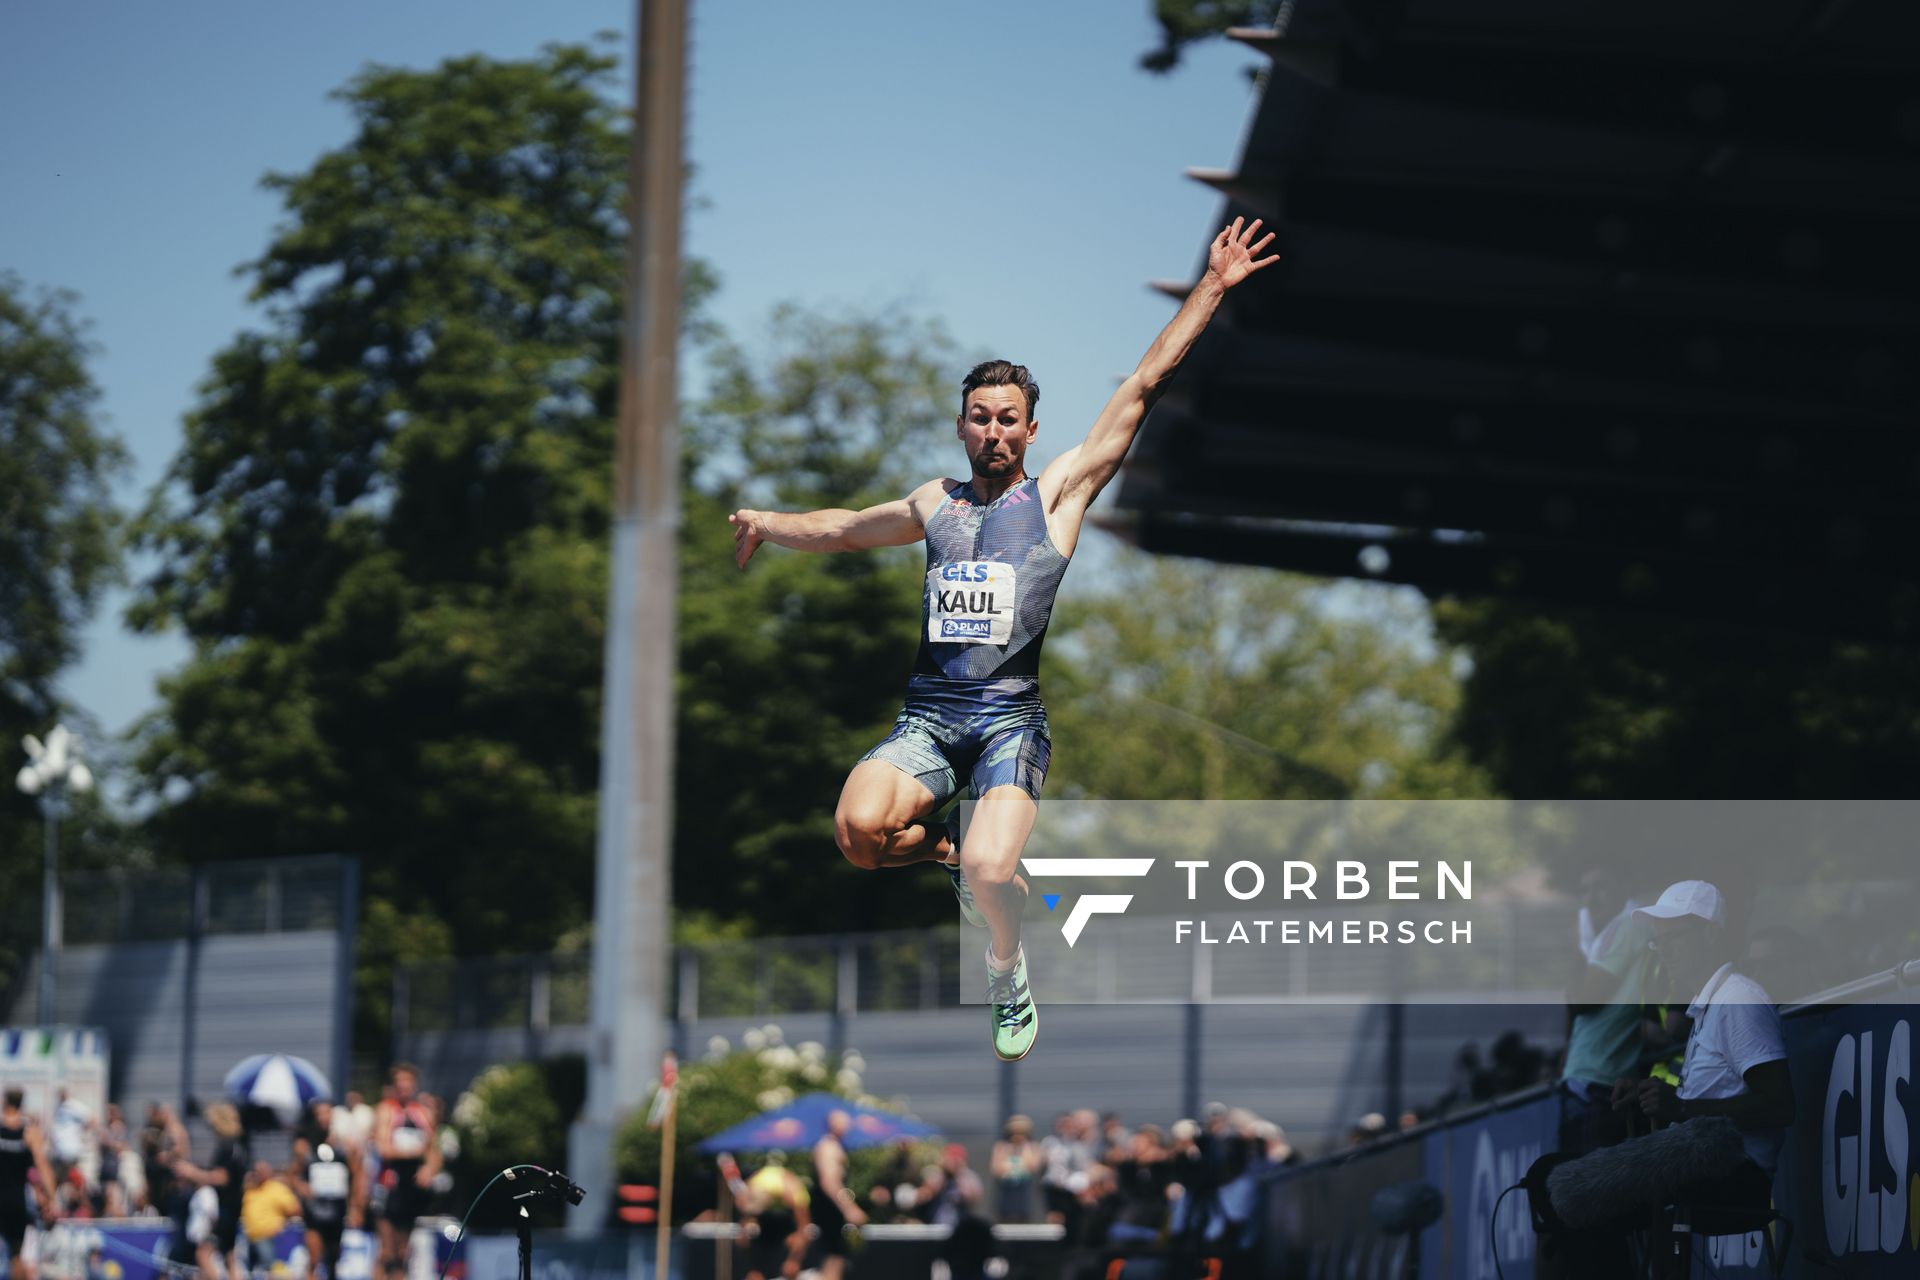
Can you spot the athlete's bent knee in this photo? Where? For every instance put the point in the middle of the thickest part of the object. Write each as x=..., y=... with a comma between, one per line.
x=991, y=870
x=861, y=843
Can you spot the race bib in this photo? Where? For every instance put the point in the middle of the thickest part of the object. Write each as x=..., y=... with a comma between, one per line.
x=970, y=602
x=329, y=1180
x=407, y=1143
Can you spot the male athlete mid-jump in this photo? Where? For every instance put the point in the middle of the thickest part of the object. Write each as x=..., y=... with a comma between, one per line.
x=997, y=546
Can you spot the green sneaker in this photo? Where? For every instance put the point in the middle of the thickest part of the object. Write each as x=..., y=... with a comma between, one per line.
x=968, y=909
x=1011, y=1011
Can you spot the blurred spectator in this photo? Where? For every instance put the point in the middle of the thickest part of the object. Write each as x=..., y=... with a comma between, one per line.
x=113, y=1201
x=130, y=1176
x=895, y=1187
x=194, y=1245
x=332, y=1184
x=266, y=1207
x=1604, y=1041
x=949, y=1191
x=1114, y=1137
x=1736, y=1059
x=1280, y=1152
x=1735, y=1067
x=1516, y=1064
x=23, y=1165
x=449, y=1142
x=73, y=1201
x=352, y=1122
x=834, y=1208
x=1017, y=1165
x=163, y=1143
x=1605, y=904
x=1069, y=1153
x=225, y=1175
x=1462, y=1081
x=1370, y=1127
x=73, y=1135
x=404, y=1137
x=776, y=1202
x=1140, y=1179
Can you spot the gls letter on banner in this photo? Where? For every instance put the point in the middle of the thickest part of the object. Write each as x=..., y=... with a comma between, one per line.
x=1860, y=1217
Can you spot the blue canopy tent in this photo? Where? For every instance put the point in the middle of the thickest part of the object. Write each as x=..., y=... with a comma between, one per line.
x=803, y=1122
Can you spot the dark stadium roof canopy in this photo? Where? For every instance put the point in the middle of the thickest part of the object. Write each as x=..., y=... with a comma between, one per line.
x=1604, y=303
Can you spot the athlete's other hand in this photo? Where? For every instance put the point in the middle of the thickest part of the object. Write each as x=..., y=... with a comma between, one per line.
x=747, y=535
x=1233, y=256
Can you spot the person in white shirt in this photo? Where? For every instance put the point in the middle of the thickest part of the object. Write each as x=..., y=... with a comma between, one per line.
x=71, y=1132
x=1736, y=1059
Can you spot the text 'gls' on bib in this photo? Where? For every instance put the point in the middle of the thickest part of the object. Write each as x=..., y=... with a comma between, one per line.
x=970, y=602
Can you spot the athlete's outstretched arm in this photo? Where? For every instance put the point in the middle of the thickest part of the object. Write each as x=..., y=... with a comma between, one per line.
x=891, y=524
x=1231, y=258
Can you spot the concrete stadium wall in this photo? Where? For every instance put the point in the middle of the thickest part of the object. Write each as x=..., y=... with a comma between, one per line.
x=178, y=1015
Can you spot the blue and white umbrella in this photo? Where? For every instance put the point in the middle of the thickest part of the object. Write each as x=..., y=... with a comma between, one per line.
x=281, y=1083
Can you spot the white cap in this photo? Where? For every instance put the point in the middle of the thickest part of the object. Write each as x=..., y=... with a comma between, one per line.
x=1688, y=898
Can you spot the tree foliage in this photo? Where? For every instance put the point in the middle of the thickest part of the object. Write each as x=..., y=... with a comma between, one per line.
x=385, y=532
x=1183, y=679
x=1572, y=704
x=1184, y=22
x=791, y=669
x=57, y=515
x=58, y=550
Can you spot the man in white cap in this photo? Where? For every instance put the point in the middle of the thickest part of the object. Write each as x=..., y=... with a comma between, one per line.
x=1736, y=1060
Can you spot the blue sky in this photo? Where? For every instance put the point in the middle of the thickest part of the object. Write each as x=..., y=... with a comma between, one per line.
x=849, y=154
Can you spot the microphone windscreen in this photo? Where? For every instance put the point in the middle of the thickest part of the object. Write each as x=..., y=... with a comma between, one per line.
x=1617, y=1180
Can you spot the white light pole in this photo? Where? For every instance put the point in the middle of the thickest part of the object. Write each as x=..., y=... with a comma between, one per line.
x=53, y=769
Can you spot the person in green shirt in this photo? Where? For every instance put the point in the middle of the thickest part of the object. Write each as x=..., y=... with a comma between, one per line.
x=1604, y=1042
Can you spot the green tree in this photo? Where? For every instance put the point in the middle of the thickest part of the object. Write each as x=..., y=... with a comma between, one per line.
x=514, y=1113
x=1184, y=22
x=791, y=669
x=1183, y=679
x=1572, y=704
x=385, y=533
x=58, y=549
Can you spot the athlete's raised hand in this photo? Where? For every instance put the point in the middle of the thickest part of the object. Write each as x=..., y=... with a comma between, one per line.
x=1233, y=256
x=747, y=535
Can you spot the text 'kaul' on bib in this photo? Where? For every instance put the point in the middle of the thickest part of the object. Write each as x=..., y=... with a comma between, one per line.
x=970, y=602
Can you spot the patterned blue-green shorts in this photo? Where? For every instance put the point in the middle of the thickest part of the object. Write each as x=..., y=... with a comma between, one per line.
x=991, y=732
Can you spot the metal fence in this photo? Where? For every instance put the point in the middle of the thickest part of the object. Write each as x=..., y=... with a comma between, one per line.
x=267, y=895
x=842, y=973
x=922, y=969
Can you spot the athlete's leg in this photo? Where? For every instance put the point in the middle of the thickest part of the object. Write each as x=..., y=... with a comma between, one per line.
x=990, y=860
x=883, y=819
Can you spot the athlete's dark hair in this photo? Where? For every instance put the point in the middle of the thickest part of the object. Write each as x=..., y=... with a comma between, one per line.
x=15, y=1097
x=1001, y=373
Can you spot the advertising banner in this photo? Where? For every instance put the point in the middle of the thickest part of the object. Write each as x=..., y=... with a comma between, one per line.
x=43, y=1060
x=137, y=1249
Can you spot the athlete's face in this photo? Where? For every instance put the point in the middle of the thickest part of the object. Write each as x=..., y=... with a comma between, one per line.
x=995, y=430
